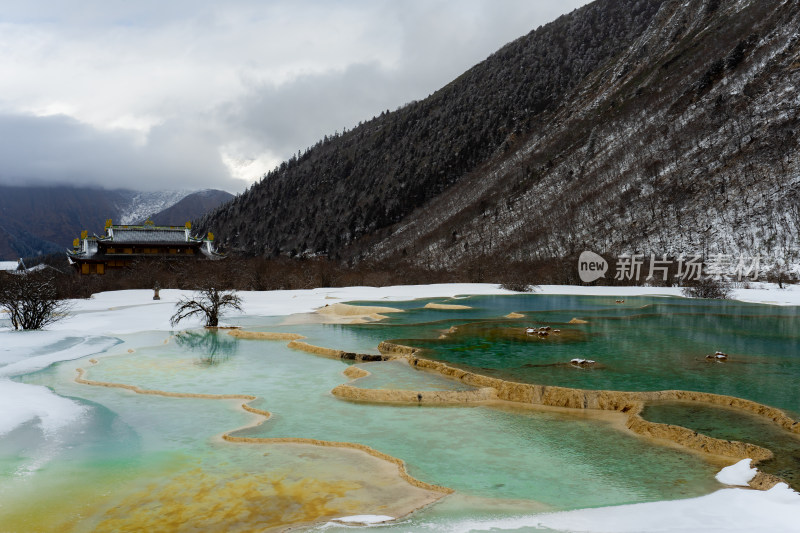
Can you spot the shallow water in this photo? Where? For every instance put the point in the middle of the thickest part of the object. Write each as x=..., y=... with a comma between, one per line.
x=566, y=457
x=730, y=424
x=133, y=456
x=398, y=375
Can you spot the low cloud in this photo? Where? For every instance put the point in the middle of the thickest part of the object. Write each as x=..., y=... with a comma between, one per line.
x=181, y=95
x=61, y=150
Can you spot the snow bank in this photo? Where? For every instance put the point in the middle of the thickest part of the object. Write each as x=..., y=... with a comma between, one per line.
x=738, y=474
x=122, y=312
x=16, y=345
x=131, y=311
x=364, y=519
x=22, y=403
x=24, y=363
x=27, y=351
x=765, y=293
x=724, y=511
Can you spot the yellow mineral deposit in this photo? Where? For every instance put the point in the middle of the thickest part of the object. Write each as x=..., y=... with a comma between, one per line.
x=450, y=397
x=446, y=307
x=142, y=511
x=335, y=354
x=316, y=350
x=265, y=335
x=515, y=315
x=74, y=502
x=197, y=501
x=340, y=313
x=354, y=372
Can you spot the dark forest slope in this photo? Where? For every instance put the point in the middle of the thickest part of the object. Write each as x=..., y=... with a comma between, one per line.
x=42, y=220
x=374, y=175
x=626, y=126
x=687, y=143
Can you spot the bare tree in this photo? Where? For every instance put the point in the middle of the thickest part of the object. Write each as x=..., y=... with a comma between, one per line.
x=31, y=300
x=208, y=303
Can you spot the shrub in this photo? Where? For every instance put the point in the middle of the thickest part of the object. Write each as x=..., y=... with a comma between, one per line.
x=518, y=286
x=31, y=300
x=712, y=288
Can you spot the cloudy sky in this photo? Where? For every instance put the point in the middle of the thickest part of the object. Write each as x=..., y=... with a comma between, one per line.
x=190, y=94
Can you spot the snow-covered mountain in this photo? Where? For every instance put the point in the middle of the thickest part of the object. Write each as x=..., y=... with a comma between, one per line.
x=626, y=126
x=138, y=206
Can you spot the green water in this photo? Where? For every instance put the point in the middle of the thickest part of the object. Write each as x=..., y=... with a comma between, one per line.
x=647, y=343
x=399, y=375
x=564, y=460
x=129, y=445
x=729, y=424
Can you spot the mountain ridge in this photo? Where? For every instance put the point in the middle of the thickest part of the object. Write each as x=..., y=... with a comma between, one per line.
x=348, y=186
x=679, y=138
x=41, y=220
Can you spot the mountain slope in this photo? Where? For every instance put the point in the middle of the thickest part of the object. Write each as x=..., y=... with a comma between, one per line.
x=373, y=176
x=631, y=126
x=142, y=205
x=192, y=206
x=685, y=144
x=42, y=220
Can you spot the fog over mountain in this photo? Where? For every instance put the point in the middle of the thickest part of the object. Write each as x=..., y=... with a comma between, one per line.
x=188, y=95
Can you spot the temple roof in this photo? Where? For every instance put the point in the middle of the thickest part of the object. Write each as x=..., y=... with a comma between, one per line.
x=140, y=241
x=154, y=235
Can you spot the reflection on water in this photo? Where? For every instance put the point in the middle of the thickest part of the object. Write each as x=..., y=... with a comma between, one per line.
x=214, y=347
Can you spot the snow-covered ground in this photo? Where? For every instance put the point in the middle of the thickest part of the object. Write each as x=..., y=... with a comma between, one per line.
x=92, y=324
x=9, y=265
x=725, y=511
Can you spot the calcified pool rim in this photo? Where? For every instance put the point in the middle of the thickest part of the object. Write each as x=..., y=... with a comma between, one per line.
x=266, y=415
x=487, y=390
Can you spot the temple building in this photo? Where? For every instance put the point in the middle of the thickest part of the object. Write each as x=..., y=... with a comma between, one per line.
x=122, y=245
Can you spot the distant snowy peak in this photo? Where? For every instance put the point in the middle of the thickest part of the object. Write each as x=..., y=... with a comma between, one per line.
x=191, y=207
x=143, y=205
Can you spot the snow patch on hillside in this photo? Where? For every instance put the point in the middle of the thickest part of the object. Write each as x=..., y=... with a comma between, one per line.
x=143, y=205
